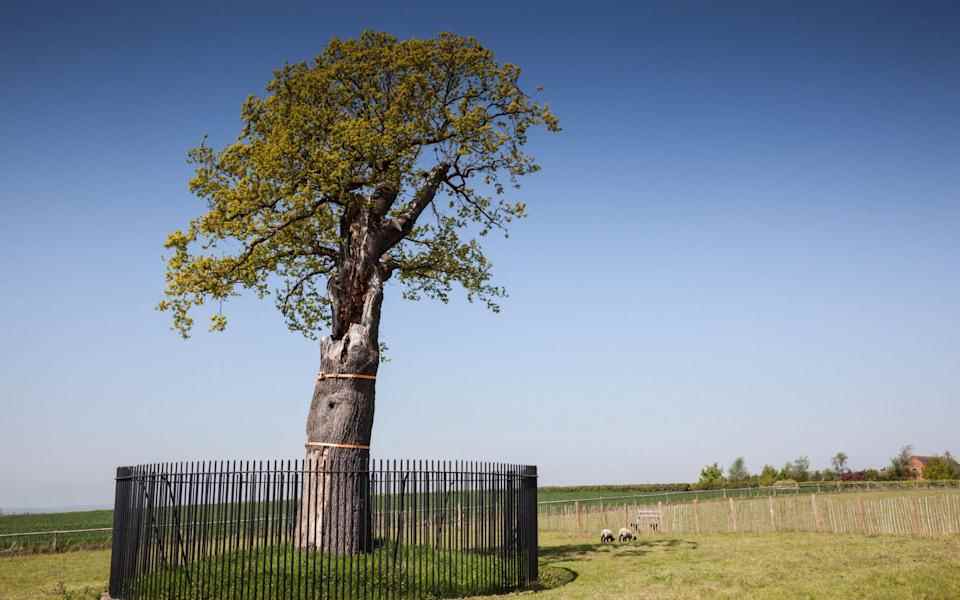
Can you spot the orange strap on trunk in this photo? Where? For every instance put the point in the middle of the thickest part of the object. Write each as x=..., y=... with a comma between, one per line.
x=331, y=445
x=322, y=376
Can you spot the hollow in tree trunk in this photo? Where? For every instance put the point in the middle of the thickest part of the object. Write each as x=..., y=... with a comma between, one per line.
x=335, y=511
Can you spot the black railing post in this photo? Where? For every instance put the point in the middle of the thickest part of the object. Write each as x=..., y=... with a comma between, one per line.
x=530, y=541
x=119, y=547
x=168, y=517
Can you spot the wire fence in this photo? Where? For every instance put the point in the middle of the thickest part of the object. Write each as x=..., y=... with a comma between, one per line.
x=549, y=508
x=332, y=529
x=54, y=537
x=920, y=511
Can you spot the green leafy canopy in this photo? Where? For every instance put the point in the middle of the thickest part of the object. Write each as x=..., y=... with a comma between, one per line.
x=368, y=132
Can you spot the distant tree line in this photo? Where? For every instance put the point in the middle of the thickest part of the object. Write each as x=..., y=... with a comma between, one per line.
x=737, y=475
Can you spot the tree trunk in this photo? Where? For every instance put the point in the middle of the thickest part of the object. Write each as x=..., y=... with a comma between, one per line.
x=335, y=511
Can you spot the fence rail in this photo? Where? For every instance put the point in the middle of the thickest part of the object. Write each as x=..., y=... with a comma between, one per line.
x=549, y=507
x=53, y=532
x=14, y=542
x=310, y=529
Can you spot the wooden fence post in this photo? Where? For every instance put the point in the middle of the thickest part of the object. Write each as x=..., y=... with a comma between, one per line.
x=773, y=520
x=861, y=516
x=662, y=522
x=696, y=514
x=834, y=520
x=922, y=522
x=733, y=515
x=576, y=506
x=816, y=513
x=917, y=520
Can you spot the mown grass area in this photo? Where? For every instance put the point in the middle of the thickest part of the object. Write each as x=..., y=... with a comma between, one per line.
x=781, y=565
x=80, y=575
x=767, y=566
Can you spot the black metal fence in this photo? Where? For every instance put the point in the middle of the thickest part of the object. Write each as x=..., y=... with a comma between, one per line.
x=300, y=529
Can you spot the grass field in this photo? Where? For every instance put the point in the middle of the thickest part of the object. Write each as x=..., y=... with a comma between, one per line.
x=67, y=520
x=91, y=519
x=422, y=572
x=642, y=494
x=638, y=496
x=80, y=575
x=783, y=565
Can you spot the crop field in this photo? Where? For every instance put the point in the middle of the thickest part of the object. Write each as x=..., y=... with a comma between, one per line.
x=54, y=522
x=51, y=521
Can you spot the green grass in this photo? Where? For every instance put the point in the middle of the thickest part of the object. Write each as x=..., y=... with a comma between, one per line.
x=90, y=519
x=783, y=565
x=419, y=572
x=633, y=495
x=78, y=575
x=640, y=496
x=43, y=522
x=769, y=566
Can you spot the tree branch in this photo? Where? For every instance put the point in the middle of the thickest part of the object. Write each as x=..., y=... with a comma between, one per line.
x=296, y=288
x=398, y=228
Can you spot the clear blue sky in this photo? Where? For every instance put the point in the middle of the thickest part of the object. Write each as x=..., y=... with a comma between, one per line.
x=744, y=242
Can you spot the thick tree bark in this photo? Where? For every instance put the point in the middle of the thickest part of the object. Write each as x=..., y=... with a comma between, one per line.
x=335, y=511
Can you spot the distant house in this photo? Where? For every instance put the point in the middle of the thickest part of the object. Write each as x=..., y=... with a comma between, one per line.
x=918, y=464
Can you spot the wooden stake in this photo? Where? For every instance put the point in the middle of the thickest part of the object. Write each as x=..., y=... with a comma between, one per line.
x=696, y=514
x=733, y=515
x=773, y=520
x=861, y=517
x=816, y=514
x=915, y=514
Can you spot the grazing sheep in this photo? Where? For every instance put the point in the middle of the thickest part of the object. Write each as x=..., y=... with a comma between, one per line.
x=625, y=535
x=606, y=536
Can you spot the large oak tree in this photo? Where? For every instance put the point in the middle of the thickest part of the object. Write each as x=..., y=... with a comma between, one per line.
x=380, y=159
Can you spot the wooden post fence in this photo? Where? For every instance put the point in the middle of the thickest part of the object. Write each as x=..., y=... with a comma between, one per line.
x=696, y=514
x=733, y=515
x=773, y=520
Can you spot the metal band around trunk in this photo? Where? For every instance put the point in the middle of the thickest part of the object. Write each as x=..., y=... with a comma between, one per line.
x=322, y=376
x=331, y=445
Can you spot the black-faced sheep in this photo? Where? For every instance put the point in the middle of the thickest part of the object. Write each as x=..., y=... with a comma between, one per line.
x=625, y=535
x=606, y=536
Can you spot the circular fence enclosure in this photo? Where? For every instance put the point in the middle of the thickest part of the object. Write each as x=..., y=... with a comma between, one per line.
x=301, y=529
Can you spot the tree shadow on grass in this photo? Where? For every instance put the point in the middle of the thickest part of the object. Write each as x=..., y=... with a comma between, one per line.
x=575, y=552
x=552, y=576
